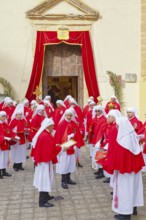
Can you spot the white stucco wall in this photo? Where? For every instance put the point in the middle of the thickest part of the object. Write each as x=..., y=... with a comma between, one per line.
x=115, y=39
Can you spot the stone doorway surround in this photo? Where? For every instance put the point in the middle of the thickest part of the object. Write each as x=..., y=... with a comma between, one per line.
x=73, y=15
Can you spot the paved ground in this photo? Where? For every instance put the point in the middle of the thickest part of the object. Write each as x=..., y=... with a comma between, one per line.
x=90, y=199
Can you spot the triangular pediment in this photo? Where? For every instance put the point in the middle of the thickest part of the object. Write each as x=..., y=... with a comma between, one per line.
x=51, y=9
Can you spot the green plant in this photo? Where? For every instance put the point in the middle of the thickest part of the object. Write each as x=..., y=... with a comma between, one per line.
x=117, y=87
x=8, y=89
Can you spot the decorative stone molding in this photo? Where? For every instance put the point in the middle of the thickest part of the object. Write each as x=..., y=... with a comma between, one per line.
x=38, y=13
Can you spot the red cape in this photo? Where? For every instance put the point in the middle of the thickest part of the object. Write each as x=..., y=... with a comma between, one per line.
x=121, y=159
x=45, y=149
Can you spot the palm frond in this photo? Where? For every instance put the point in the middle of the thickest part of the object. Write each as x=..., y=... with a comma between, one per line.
x=117, y=87
x=7, y=88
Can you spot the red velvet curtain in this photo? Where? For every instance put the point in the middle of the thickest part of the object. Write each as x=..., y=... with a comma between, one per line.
x=75, y=37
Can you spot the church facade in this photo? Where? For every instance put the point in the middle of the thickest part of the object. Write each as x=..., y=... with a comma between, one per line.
x=117, y=34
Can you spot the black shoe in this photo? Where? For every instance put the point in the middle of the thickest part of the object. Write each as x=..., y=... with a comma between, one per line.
x=47, y=205
x=107, y=180
x=21, y=168
x=99, y=176
x=64, y=185
x=16, y=169
x=6, y=174
x=100, y=170
x=135, y=211
x=79, y=165
x=112, y=193
x=122, y=217
x=71, y=182
x=50, y=197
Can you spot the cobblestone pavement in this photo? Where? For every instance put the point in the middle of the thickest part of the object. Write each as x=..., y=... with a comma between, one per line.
x=90, y=199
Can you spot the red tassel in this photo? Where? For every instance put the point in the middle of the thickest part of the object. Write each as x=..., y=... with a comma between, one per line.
x=116, y=201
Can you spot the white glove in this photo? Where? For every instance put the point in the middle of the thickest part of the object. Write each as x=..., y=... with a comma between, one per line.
x=70, y=136
x=7, y=138
x=97, y=145
x=17, y=138
x=106, y=147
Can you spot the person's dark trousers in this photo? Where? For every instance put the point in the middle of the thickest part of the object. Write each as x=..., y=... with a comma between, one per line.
x=16, y=166
x=64, y=178
x=43, y=198
x=20, y=166
x=64, y=181
x=1, y=174
x=69, y=181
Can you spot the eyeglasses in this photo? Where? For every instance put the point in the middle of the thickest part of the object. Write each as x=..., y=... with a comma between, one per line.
x=97, y=111
x=129, y=112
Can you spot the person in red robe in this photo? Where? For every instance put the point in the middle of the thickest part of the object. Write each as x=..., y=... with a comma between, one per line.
x=125, y=161
x=106, y=133
x=88, y=121
x=67, y=129
x=59, y=111
x=142, y=136
x=2, y=104
x=36, y=120
x=9, y=109
x=45, y=155
x=19, y=126
x=66, y=101
x=112, y=104
x=48, y=98
x=86, y=108
x=32, y=109
x=39, y=100
x=131, y=115
x=6, y=135
x=94, y=134
x=77, y=109
x=49, y=110
x=80, y=133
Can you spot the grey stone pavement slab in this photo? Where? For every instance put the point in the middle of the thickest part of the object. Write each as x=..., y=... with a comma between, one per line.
x=90, y=199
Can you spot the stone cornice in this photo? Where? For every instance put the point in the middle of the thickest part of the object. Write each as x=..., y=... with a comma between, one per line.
x=38, y=13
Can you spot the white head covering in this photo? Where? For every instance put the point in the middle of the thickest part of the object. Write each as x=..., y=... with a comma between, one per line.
x=18, y=110
x=89, y=100
x=45, y=123
x=91, y=97
x=68, y=111
x=67, y=97
x=48, y=104
x=114, y=97
x=14, y=103
x=25, y=101
x=7, y=101
x=3, y=113
x=33, y=102
x=47, y=97
x=73, y=101
x=114, y=113
x=98, y=107
x=40, y=108
x=131, y=109
x=92, y=103
x=61, y=103
x=127, y=137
